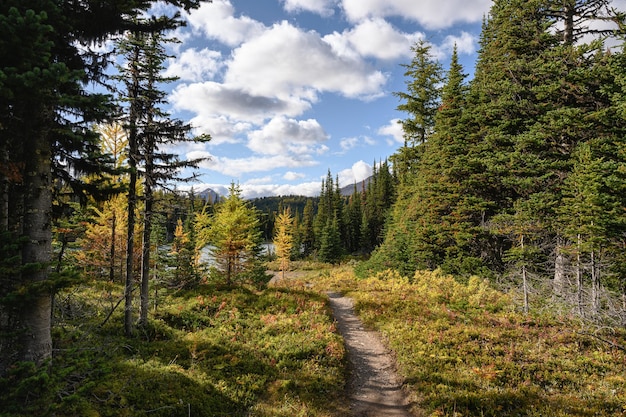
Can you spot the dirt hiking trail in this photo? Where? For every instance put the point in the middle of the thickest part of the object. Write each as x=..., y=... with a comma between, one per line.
x=374, y=388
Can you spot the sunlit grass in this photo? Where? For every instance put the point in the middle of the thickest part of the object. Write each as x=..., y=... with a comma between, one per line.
x=465, y=350
x=207, y=352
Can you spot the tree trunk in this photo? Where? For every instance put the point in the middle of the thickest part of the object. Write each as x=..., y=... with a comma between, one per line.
x=579, y=278
x=112, y=252
x=524, y=278
x=4, y=191
x=560, y=267
x=34, y=314
x=130, y=246
x=133, y=162
x=595, y=284
x=145, y=258
x=569, y=10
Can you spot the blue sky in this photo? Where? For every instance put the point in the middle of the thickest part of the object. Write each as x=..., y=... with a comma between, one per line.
x=289, y=89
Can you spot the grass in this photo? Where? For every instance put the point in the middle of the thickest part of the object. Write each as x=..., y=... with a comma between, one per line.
x=464, y=350
x=207, y=352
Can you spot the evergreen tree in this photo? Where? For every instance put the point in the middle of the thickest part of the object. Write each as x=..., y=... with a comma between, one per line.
x=46, y=111
x=353, y=219
x=420, y=102
x=575, y=18
x=153, y=129
x=331, y=248
x=591, y=215
x=426, y=227
x=184, y=253
x=307, y=232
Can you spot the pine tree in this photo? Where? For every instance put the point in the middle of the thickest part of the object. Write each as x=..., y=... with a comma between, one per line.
x=353, y=219
x=307, y=229
x=420, y=102
x=331, y=248
x=46, y=111
x=425, y=225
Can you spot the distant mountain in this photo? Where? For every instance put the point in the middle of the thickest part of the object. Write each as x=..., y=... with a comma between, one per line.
x=349, y=189
x=209, y=195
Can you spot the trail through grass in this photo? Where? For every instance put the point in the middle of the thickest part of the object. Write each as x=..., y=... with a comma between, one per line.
x=462, y=350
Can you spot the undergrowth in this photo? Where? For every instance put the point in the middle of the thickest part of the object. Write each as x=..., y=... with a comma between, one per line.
x=207, y=352
x=464, y=349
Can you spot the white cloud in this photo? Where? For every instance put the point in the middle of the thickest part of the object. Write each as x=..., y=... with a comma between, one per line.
x=373, y=37
x=211, y=98
x=217, y=21
x=309, y=189
x=348, y=143
x=292, y=176
x=322, y=7
x=359, y=171
x=259, y=180
x=255, y=190
x=394, y=130
x=193, y=65
x=282, y=136
x=221, y=129
x=465, y=43
x=352, y=142
x=433, y=14
x=285, y=61
x=235, y=167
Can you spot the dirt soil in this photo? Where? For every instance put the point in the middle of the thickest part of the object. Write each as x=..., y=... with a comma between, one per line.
x=374, y=388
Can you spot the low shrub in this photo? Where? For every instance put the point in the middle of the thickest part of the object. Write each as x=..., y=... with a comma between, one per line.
x=464, y=350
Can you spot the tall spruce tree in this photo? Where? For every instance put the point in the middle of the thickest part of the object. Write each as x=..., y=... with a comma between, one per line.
x=307, y=231
x=420, y=102
x=152, y=129
x=45, y=74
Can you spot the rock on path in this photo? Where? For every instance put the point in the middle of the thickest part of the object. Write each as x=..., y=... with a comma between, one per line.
x=374, y=387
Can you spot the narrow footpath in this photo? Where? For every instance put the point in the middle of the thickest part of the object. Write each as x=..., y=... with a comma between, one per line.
x=374, y=387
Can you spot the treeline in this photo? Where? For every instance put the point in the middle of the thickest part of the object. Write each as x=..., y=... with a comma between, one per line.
x=520, y=173
x=334, y=225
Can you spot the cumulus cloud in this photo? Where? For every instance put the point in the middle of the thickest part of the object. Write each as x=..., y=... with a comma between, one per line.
x=257, y=89
x=375, y=38
x=286, y=61
x=221, y=128
x=292, y=176
x=193, y=65
x=235, y=167
x=283, y=136
x=352, y=142
x=433, y=14
x=466, y=43
x=393, y=130
x=322, y=7
x=216, y=20
x=211, y=98
x=359, y=171
x=309, y=189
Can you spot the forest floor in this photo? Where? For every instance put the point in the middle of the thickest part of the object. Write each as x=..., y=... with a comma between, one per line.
x=374, y=388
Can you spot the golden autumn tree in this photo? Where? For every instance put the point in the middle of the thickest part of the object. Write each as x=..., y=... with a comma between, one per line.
x=283, y=239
